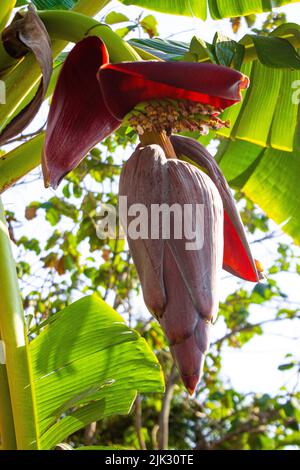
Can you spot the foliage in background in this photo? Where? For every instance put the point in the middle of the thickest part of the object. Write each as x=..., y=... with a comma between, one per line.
x=199, y=8
x=217, y=8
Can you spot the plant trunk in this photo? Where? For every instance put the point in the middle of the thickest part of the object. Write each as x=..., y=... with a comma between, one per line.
x=7, y=430
x=14, y=337
x=163, y=433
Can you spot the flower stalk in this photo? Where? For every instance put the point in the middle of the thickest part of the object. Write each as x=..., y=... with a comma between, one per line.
x=161, y=139
x=72, y=27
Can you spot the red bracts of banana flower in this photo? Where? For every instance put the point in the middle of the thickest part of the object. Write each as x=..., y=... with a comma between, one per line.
x=92, y=97
x=127, y=84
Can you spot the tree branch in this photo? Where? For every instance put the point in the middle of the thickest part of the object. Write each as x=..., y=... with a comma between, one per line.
x=249, y=327
x=163, y=433
x=138, y=422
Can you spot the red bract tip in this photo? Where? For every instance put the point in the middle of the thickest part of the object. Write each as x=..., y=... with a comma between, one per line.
x=237, y=255
x=190, y=382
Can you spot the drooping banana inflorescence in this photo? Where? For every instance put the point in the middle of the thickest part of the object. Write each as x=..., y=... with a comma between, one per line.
x=179, y=281
x=179, y=278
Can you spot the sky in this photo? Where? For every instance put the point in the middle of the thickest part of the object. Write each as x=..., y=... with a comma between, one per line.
x=254, y=367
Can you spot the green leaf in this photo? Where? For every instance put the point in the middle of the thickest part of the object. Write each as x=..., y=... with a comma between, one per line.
x=218, y=8
x=269, y=177
x=177, y=7
x=250, y=20
x=49, y=4
x=289, y=366
x=113, y=17
x=149, y=25
x=201, y=51
x=162, y=48
x=289, y=440
x=228, y=52
x=5, y=12
x=54, y=4
x=87, y=365
x=122, y=32
x=268, y=115
x=273, y=51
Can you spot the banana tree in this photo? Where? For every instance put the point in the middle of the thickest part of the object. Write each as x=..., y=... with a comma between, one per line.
x=85, y=364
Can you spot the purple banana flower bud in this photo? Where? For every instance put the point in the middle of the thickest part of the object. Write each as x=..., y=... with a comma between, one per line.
x=237, y=259
x=179, y=282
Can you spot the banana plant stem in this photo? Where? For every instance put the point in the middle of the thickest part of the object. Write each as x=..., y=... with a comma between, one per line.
x=20, y=161
x=85, y=7
x=90, y=8
x=72, y=27
x=7, y=430
x=14, y=335
x=6, y=9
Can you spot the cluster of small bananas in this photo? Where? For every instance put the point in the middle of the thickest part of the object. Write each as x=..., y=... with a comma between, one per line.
x=174, y=117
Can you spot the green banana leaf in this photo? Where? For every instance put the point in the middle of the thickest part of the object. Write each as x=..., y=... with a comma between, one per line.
x=162, y=48
x=5, y=12
x=218, y=9
x=268, y=115
x=264, y=158
x=59, y=4
x=269, y=177
x=50, y=4
x=87, y=365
